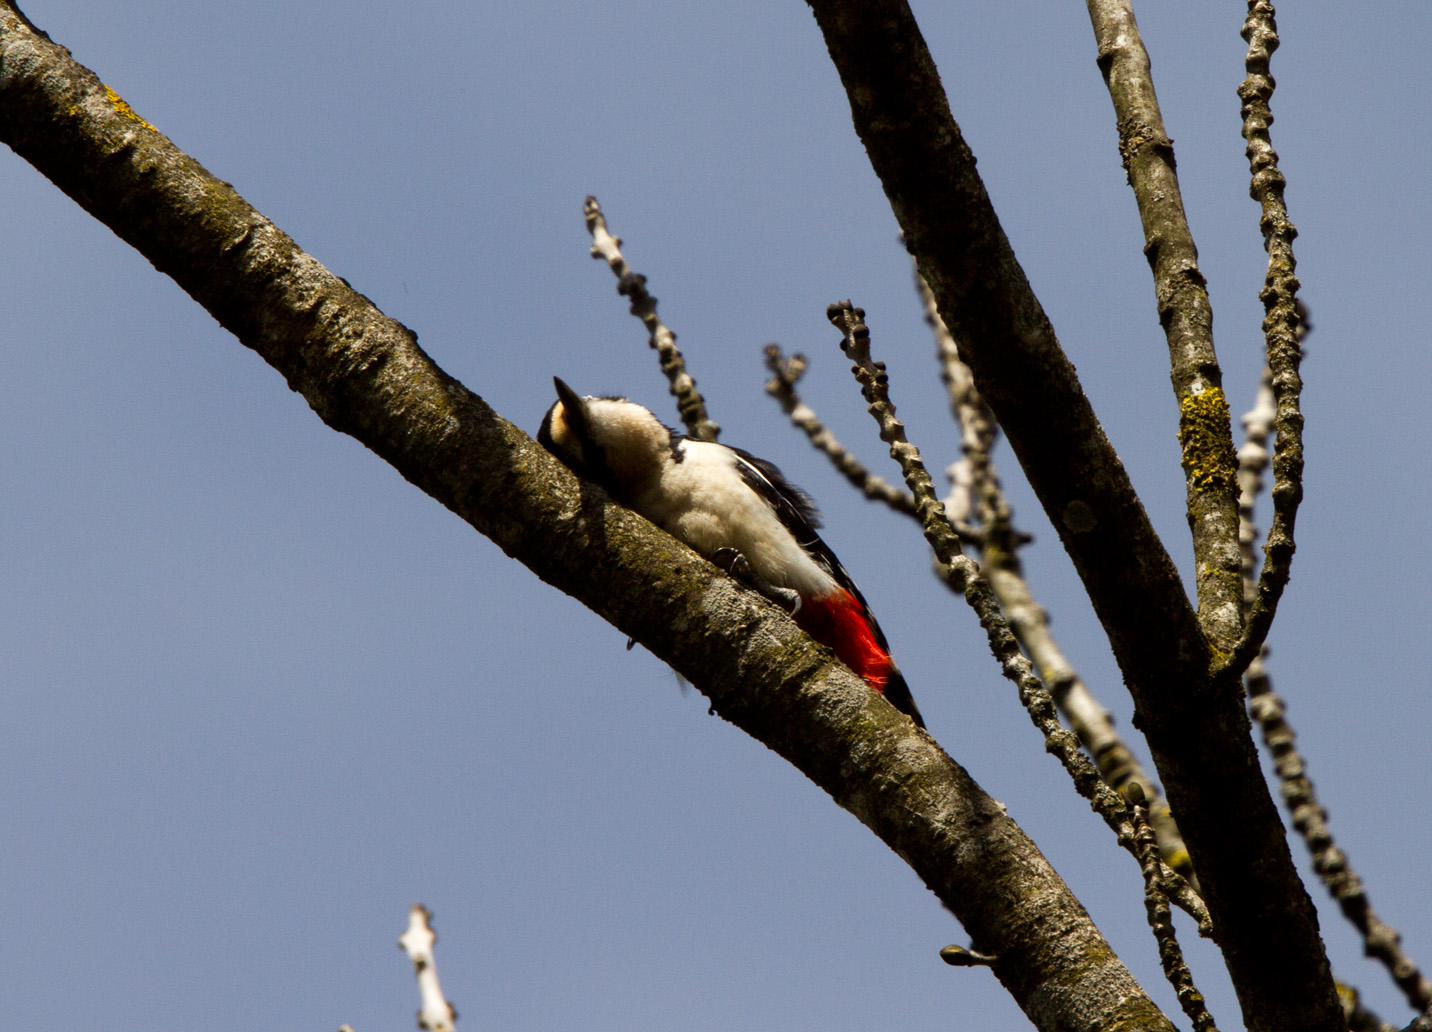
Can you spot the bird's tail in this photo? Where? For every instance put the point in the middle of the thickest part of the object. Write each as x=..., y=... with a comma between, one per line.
x=839, y=620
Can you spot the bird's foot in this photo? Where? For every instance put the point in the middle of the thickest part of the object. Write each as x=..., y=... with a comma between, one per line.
x=737, y=565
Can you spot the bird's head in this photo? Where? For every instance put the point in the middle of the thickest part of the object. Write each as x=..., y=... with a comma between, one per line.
x=615, y=442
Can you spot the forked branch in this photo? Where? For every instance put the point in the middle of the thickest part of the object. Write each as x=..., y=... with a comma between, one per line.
x=1181, y=293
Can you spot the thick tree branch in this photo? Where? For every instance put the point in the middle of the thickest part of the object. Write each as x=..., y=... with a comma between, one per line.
x=1192, y=715
x=365, y=375
x=1205, y=428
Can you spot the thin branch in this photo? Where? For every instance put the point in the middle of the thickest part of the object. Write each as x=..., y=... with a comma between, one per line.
x=963, y=576
x=785, y=374
x=435, y=1014
x=1280, y=325
x=1380, y=940
x=1252, y=463
x=998, y=543
x=976, y=496
x=1205, y=428
x=364, y=375
x=1191, y=713
x=1160, y=918
x=643, y=305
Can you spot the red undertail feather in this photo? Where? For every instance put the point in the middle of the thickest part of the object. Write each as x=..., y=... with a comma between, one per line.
x=839, y=622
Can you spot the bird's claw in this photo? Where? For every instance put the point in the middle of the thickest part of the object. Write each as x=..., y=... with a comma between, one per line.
x=737, y=565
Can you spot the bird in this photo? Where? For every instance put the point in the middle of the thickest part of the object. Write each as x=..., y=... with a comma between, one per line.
x=738, y=511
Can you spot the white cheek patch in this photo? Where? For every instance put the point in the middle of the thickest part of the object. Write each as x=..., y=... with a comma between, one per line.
x=560, y=431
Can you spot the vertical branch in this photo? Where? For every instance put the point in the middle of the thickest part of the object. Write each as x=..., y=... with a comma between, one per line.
x=435, y=1014
x=1281, y=323
x=643, y=305
x=1205, y=429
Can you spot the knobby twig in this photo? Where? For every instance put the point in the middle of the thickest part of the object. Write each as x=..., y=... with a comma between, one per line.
x=1252, y=462
x=785, y=374
x=1380, y=940
x=964, y=576
x=643, y=305
x=1285, y=326
x=435, y=1014
x=1205, y=426
x=976, y=486
x=1280, y=325
x=1161, y=919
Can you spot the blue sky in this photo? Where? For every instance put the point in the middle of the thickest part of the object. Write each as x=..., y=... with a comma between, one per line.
x=261, y=694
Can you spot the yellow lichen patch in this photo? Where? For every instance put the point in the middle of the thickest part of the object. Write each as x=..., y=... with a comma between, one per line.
x=117, y=102
x=1207, y=439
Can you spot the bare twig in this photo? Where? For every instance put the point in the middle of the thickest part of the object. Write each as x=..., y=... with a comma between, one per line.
x=1380, y=940
x=643, y=305
x=1160, y=918
x=435, y=1014
x=964, y=576
x=974, y=484
x=1280, y=326
x=785, y=374
x=958, y=956
x=1252, y=462
x=1205, y=429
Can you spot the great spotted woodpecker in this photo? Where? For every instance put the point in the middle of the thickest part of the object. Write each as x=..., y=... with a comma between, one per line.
x=736, y=510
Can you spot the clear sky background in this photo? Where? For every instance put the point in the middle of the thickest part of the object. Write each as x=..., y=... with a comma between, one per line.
x=260, y=694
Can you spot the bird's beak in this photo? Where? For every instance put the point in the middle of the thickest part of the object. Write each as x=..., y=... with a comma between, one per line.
x=574, y=410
